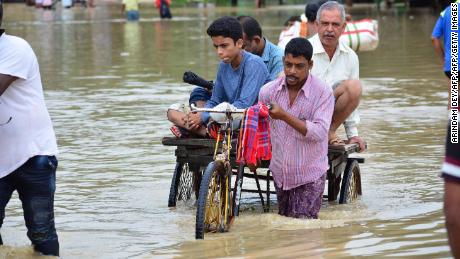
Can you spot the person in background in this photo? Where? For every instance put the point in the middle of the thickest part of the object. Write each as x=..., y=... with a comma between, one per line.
x=38, y=3
x=451, y=174
x=311, y=9
x=301, y=112
x=47, y=4
x=338, y=65
x=304, y=25
x=91, y=3
x=163, y=8
x=27, y=143
x=130, y=8
x=255, y=43
x=66, y=3
x=441, y=36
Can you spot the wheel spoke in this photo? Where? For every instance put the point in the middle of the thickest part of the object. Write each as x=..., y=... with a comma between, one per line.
x=351, y=183
x=213, y=205
x=217, y=204
x=352, y=187
x=214, y=202
x=185, y=188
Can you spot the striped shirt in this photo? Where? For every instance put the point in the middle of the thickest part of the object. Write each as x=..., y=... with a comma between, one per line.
x=299, y=159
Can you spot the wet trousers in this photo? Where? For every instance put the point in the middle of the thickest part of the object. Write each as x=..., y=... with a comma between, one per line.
x=35, y=182
x=303, y=201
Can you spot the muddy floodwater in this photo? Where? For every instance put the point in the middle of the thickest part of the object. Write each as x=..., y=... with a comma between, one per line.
x=108, y=84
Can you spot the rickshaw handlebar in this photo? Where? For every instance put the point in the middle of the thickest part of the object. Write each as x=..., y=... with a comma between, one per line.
x=212, y=110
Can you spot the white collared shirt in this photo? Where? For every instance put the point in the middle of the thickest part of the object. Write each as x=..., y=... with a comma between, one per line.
x=343, y=66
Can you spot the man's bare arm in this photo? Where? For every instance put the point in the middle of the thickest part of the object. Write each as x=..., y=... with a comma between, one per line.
x=437, y=44
x=276, y=112
x=5, y=82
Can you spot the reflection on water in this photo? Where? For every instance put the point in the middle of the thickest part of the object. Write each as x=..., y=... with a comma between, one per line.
x=108, y=84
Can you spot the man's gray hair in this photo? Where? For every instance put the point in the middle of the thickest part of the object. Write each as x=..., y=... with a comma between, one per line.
x=331, y=6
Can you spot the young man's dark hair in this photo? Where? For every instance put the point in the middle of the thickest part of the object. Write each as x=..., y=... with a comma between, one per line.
x=250, y=26
x=299, y=47
x=227, y=27
x=311, y=9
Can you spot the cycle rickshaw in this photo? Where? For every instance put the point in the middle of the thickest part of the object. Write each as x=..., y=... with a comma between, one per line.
x=206, y=170
x=218, y=199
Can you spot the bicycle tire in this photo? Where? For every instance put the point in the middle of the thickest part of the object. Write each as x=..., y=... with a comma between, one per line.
x=182, y=183
x=351, y=183
x=174, y=185
x=215, y=176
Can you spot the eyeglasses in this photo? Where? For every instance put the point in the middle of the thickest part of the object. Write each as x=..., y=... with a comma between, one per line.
x=8, y=121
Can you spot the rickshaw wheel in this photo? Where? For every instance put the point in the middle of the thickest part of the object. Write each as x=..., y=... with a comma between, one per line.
x=351, y=182
x=182, y=184
x=214, y=209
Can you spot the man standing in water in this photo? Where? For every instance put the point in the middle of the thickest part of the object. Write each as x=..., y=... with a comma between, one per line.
x=27, y=143
x=301, y=112
x=451, y=175
x=441, y=36
x=451, y=166
x=338, y=65
x=130, y=8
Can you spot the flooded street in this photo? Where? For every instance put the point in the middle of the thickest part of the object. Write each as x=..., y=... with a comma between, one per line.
x=108, y=84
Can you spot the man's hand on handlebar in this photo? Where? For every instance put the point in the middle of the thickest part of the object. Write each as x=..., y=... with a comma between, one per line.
x=358, y=140
x=275, y=111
